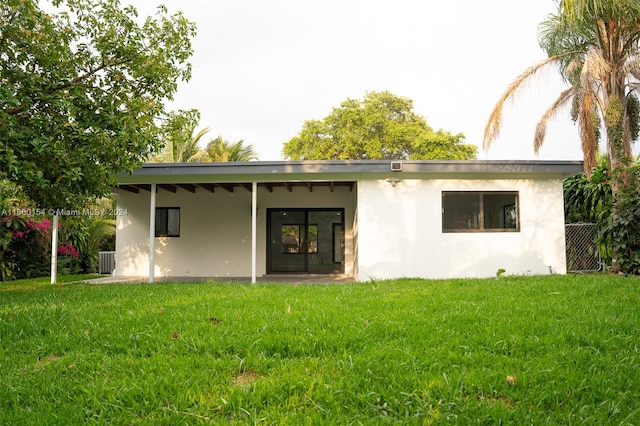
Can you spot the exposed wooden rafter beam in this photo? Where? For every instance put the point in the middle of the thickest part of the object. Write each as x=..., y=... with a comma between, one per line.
x=230, y=186
x=269, y=186
x=129, y=188
x=187, y=187
x=226, y=186
x=166, y=187
x=208, y=186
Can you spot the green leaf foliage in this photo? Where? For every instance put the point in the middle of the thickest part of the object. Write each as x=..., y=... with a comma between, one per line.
x=617, y=217
x=179, y=143
x=633, y=114
x=380, y=126
x=589, y=200
x=625, y=223
x=80, y=89
x=221, y=150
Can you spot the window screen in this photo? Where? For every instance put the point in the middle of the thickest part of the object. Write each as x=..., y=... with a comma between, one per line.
x=476, y=211
x=167, y=221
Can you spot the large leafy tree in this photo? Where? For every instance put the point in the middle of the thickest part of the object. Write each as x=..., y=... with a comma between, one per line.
x=595, y=45
x=381, y=126
x=80, y=89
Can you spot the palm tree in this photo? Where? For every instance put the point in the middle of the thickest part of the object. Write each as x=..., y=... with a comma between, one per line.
x=181, y=149
x=220, y=150
x=180, y=143
x=595, y=44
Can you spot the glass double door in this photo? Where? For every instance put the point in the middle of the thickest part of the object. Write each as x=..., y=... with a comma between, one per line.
x=305, y=241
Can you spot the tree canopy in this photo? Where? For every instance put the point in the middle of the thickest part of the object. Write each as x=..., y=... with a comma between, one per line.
x=80, y=90
x=381, y=126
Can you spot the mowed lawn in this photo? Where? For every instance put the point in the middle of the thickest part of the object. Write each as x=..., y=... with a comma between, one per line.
x=534, y=350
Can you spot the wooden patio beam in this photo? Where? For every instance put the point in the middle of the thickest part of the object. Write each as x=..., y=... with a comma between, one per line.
x=167, y=187
x=208, y=186
x=187, y=187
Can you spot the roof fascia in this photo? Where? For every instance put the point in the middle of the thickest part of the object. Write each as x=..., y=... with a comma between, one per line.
x=277, y=171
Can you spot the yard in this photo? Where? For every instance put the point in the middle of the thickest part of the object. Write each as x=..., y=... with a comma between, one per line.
x=536, y=350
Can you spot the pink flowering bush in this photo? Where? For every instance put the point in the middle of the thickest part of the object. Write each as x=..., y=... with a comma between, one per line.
x=67, y=249
x=26, y=250
x=25, y=238
x=25, y=243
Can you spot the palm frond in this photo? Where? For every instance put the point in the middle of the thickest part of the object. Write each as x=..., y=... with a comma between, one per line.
x=492, y=129
x=221, y=150
x=632, y=65
x=576, y=12
x=588, y=131
x=98, y=230
x=541, y=128
x=199, y=135
x=596, y=67
x=556, y=37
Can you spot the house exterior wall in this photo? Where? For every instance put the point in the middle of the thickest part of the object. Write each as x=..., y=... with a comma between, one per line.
x=399, y=231
x=215, y=230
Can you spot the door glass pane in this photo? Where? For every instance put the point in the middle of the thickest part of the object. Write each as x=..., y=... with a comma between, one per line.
x=305, y=241
x=292, y=236
x=322, y=260
x=338, y=243
x=312, y=239
x=287, y=241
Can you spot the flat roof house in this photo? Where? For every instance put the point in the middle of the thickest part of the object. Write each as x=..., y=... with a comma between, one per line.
x=366, y=219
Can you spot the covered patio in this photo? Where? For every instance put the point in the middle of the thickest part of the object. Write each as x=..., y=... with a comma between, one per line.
x=361, y=220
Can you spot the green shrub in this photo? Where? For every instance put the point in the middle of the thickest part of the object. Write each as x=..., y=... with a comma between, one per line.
x=25, y=239
x=625, y=224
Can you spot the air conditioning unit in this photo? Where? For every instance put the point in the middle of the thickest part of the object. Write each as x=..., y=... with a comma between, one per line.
x=396, y=166
x=106, y=262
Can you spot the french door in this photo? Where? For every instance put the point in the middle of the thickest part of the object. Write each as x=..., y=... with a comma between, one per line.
x=305, y=241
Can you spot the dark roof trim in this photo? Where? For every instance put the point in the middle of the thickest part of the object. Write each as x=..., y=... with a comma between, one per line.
x=274, y=171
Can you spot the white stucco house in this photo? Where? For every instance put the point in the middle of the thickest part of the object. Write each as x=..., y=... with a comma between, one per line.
x=363, y=219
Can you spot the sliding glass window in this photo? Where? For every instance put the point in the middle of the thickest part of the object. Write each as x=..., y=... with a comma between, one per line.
x=480, y=211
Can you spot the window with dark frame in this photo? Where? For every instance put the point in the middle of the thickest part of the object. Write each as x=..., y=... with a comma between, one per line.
x=480, y=211
x=167, y=221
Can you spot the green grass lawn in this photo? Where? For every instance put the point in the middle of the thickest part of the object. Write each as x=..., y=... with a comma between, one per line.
x=534, y=350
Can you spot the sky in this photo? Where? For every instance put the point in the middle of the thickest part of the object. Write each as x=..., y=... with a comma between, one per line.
x=261, y=68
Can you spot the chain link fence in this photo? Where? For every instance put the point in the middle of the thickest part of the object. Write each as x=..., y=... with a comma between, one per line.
x=582, y=247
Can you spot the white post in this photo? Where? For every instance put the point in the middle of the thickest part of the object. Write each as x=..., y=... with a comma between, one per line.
x=152, y=233
x=54, y=249
x=254, y=221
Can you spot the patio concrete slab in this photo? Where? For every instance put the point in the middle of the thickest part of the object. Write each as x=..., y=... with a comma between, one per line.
x=280, y=278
